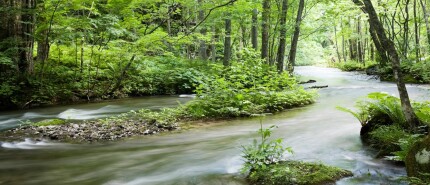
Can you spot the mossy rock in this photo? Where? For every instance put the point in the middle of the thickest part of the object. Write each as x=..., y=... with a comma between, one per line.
x=371, y=125
x=48, y=122
x=418, y=159
x=297, y=173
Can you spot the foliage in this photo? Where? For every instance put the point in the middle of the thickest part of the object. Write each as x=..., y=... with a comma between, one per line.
x=263, y=152
x=405, y=145
x=414, y=72
x=391, y=135
x=300, y=173
x=50, y=122
x=349, y=66
x=419, y=181
x=353, y=65
x=241, y=90
x=387, y=139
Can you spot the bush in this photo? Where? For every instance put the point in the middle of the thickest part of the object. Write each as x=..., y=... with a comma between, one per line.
x=384, y=124
x=241, y=90
x=263, y=152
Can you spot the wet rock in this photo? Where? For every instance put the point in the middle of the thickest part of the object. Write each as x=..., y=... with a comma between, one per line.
x=371, y=125
x=92, y=131
x=373, y=70
x=418, y=159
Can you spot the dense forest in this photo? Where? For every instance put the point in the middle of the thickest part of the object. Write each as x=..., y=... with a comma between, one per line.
x=237, y=56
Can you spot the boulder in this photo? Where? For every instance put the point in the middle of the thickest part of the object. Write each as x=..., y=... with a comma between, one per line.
x=372, y=70
x=418, y=159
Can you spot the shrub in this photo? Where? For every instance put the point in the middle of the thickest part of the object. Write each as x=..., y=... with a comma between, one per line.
x=263, y=152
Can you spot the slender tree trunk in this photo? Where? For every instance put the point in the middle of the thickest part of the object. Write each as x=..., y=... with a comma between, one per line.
x=203, y=47
x=294, y=42
x=254, y=31
x=343, y=41
x=282, y=37
x=359, y=42
x=265, y=26
x=389, y=46
x=426, y=18
x=214, y=41
x=382, y=53
x=227, y=42
x=406, y=31
x=82, y=54
x=336, y=45
x=417, y=35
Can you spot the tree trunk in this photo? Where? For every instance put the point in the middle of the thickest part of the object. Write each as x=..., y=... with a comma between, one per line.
x=417, y=35
x=265, y=26
x=294, y=42
x=282, y=37
x=214, y=41
x=202, y=48
x=359, y=42
x=389, y=46
x=426, y=18
x=383, y=58
x=254, y=34
x=227, y=42
x=343, y=41
x=336, y=45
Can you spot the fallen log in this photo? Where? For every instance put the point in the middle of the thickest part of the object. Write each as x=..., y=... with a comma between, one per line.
x=318, y=87
x=308, y=82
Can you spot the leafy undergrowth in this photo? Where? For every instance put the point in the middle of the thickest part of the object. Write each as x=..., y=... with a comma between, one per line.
x=238, y=91
x=265, y=164
x=384, y=125
x=297, y=172
x=413, y=72
x=353, y=65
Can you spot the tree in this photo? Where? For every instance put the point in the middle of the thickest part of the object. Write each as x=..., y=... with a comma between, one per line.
x=17, y=29
x=388, y=45
x=227, y=41
x=254, y=30
x=282, y=37
x=295, y=40
x=265, y=26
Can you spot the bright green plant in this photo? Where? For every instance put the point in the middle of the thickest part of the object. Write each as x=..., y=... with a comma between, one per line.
x=263, y=152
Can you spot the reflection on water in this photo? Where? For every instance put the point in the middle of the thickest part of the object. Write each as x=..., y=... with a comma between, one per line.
x=211, y=155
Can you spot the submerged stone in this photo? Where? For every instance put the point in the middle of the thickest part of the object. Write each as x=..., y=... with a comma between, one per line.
x=297, y=173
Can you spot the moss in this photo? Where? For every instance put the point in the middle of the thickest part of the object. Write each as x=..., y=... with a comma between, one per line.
x=385, y=139
x=297, y=172
x=418, y=160
x=49, y=122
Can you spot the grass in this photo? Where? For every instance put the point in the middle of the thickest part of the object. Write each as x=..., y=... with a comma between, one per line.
x=297, y=172
x=50, y=122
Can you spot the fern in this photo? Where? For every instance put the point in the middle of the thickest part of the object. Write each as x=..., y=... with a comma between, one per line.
x=361, y=115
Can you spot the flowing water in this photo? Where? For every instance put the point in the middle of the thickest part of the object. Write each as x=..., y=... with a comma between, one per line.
x=90, y=110
x=211, y=155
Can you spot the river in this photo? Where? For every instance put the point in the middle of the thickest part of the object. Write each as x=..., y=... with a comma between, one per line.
x=211, y=155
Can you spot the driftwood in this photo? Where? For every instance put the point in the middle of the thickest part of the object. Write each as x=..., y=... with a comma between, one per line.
x=308, y=82
x=318, y=87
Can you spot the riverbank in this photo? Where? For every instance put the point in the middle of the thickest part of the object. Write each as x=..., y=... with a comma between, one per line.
x=415, y=73
x=230, y=92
